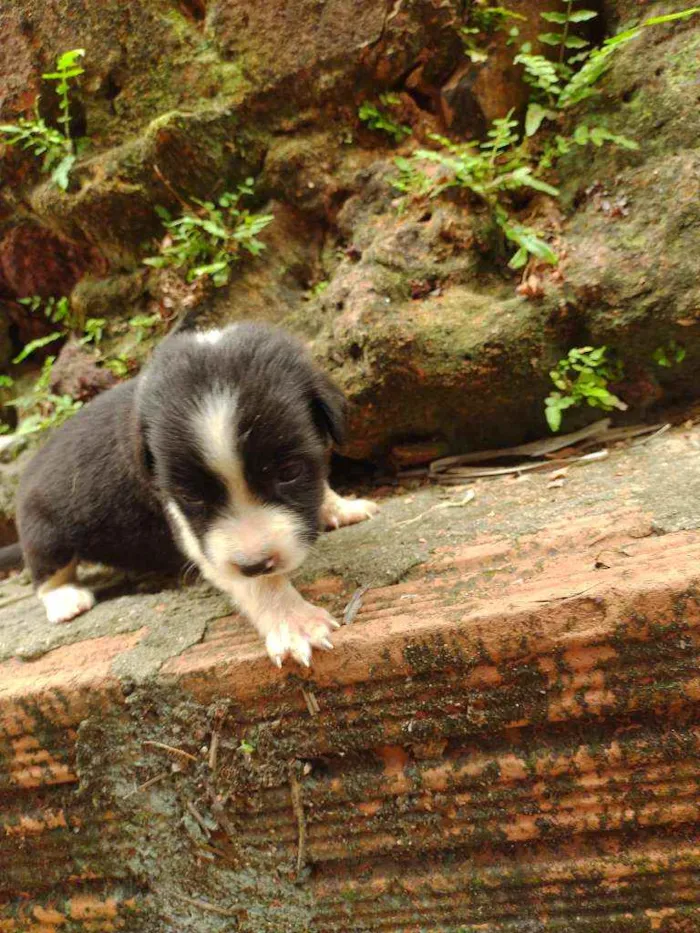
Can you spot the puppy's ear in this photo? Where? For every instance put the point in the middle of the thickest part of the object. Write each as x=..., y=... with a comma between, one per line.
x=328, y=408
x=142, y=452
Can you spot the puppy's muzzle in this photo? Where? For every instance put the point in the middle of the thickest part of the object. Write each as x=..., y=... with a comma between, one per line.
x=261, y=567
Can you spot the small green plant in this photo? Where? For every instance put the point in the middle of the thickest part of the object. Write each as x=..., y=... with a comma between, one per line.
x=58, y=312
x=490, y=171
x=582, y=376
x=246, y=747
x=55, y=147
x=37, y=344
x=482, y=21
x=572, y=76
x=317, y=290
x=210, y=238
x=120, y=365
x=143, y=323
x=94, y=330
x=377, y=119
x=669, y=355
x=41, y=409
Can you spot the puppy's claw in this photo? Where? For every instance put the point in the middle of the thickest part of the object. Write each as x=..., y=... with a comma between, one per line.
x=334, y=624
x=301, y=651
x=302, y=627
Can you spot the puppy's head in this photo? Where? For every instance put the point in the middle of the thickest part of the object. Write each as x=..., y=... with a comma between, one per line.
x=236, y=425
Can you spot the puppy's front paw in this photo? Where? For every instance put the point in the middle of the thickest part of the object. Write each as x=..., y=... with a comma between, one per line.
x=301, y=629
x=337, y=511
x=66, y=602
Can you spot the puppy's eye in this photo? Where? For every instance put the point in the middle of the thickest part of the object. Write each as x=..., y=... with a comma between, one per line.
x=290, y=471
x=193, y=507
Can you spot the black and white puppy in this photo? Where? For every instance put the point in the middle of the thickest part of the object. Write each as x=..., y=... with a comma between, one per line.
x=215, y=454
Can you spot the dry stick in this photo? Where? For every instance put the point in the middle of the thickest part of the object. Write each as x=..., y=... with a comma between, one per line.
x=218, y=810
x=662, y=430
x=170, y=187
x=533, y=449
x=459, y=475
x=171, y=750
x=204, y=905
x=353, y=606
x=311, y=702
x=198, y=818
x=214, y=750
x=469, y=495
x=552, y=599
x=153, y=780
x=298, y=808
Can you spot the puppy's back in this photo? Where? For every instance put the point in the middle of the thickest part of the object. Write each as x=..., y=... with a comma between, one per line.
x=85, y=495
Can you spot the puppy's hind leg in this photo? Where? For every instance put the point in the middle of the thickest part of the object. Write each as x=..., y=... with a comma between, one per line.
x=62, y=598
x=337, y=511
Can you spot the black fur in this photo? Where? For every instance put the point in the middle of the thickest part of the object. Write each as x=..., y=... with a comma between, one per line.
x=11, y=557
x=95, y=491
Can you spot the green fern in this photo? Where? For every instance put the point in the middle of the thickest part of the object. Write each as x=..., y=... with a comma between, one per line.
x=55, y=148
x=209, y=239
x=490, y=171
x=377, y=119
x=582, y=376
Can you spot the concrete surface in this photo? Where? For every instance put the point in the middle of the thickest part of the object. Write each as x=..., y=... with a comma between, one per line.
x=504, y=739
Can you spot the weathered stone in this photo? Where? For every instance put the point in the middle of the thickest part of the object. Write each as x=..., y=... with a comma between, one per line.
x=77, y=374
x=506, y=731
x=275, y=93
x=36, y=261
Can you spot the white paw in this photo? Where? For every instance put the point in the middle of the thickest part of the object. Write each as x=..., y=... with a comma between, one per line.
x=303, y=628
x=66, y=602
x=337, y=511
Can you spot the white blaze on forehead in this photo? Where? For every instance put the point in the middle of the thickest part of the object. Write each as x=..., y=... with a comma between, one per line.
x=215, y=427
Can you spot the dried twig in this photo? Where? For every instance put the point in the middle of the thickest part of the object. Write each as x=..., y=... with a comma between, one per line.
x=199, y=819
x=170, y=188
x=214, y=749
x=662, y=430
x=212, y=908
x=298, y=808
x=218, y=810
x=460, y=474
x=353, y=606
x=311, y=702
x=178, y=753
x=534, y=449
x=153, y=780
x=465, y=500
x=554, y=599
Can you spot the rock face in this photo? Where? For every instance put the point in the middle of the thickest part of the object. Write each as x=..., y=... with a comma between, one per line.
x=408, y=303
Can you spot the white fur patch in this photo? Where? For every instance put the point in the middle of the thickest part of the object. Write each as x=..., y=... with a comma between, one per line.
x=337, y=511
x=209, y=336
x=214, y=424
x=289, y=625
x=188, y=539
x=66, y=602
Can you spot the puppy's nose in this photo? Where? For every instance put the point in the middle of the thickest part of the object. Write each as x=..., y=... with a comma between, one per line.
x=267, y=565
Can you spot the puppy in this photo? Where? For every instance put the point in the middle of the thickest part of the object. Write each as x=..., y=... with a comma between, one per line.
x=216, y=454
